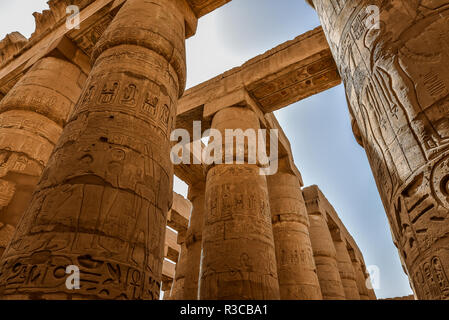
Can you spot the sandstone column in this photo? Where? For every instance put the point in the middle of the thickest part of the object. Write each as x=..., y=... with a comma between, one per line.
x=238, y=259
x=167, y=290
x=103, y=198
x=178, y=287
x=194, y=240
x=396, y=74
x=295, y=263
x=360, y=279
x=347, y=273
x=323, y=248
x=371, y=292
x=32, y=115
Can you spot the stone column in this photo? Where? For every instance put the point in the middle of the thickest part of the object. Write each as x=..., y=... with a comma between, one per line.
x=396, y=74
x=347, y=273
x=295, y=263
x=103, y=198
x=360, y=279
x=32, y=115
x=178, y=287
x=323, y=249
x=238, y=259
x=194, y=240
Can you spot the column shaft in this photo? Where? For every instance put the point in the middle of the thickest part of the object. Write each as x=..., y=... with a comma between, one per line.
x=396, y=73
x=103, y=198
x=194, y=241
x=371, y=292
x=32, y=115
x=360, y=279
x=347, y=273
x=295, y=263
x=325, y=259
x=178, y=288
x=238, y=260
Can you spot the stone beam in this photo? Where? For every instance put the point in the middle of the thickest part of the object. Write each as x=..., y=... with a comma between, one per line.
x=284, y=75
x=168, y=271
x=172, y=248
x=192, y=174
x=178, y=219
x=179, y=215
x=95, y=16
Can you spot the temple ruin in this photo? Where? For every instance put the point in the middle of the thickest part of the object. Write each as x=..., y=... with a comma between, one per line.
x=86, y=175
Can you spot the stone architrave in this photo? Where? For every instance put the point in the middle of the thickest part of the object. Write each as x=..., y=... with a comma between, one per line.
x=371, y=292
x=360, y=279
x=347, y=273
x=323, y=247
x=194, y=240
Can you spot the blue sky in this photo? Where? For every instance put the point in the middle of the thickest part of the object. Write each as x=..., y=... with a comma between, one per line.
x=319, y=130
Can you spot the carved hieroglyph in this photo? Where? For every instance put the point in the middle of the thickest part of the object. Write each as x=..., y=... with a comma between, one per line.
x=238, y=259
x=295, y=263
x=397, y=83
x=103, y=198
x=32, y=115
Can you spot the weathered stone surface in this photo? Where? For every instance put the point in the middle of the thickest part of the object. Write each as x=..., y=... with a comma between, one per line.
x=173, y=275
x=168, y=274
x=397, y=83
x=371, y=292
x=179, y=214
x=347, y=273
x=323, y=247
x=32, y=115
x=295, y=262
x=177, y=290
x=239, y=259
x=290, y=72
x=96, y=15
x=6, y=233
x=360, y=279
x=11, y=45
x=172, y=248
x=410, y=297
x=194, y=238
x=103, y=199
